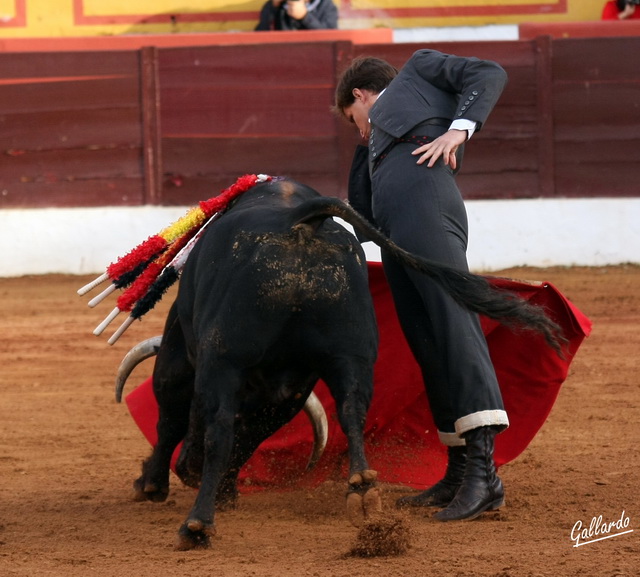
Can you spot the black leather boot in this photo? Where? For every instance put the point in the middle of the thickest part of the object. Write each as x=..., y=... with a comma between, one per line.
x=481, y=488
x=443, y=492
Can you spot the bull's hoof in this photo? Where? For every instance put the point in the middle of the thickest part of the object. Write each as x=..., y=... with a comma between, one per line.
x=194, y=534
x=145, y=491
x=363, y=508
x=189, y=467
x=191, y=477
x=364, y=501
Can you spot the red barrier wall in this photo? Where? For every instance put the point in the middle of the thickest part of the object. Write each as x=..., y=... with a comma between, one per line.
x=138, y=41
x=176, y=125
x=601, y=29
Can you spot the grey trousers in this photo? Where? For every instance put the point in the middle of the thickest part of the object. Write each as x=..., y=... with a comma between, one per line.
x=421, y=210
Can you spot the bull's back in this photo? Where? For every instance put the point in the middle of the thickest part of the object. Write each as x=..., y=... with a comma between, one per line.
x=255, y=260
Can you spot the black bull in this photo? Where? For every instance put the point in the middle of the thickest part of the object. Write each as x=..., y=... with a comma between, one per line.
x=274, y=297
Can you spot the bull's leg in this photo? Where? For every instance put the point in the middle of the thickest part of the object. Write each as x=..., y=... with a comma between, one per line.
x=251, y=431
x=217, y=403
x=173, y=388
x=351, y=384
x=244, y=447
x=191, y=459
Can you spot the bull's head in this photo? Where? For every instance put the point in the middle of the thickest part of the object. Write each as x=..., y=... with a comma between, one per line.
x=312, y=407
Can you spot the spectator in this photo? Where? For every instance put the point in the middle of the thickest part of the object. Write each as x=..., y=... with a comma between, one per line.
x=621, y=10
x=298, y=15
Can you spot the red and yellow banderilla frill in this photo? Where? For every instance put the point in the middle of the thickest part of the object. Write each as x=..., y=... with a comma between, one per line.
x=147, y=271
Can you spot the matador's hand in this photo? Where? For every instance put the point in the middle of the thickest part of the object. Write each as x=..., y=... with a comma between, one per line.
x=445, y=146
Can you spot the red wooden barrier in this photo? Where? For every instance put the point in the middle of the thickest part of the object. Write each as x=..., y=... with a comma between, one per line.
x=175, y=125
x=136, y=42
x=598, y=29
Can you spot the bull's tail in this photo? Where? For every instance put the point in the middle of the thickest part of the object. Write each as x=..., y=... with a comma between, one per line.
x=474, y=292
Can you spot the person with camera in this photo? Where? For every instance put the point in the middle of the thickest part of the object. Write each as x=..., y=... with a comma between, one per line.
x=621, y=10
x=298, y=15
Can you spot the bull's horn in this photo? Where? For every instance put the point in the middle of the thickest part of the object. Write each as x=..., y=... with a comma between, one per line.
x=312, y=407
x=132, y=359
x=318, y=417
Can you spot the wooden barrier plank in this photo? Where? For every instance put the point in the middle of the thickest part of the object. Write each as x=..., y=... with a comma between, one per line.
x=212, y=155
x=189, y=162
x=253, y=66
x=596, y=60
x=76, y=193
x=51, y=64
x=50, y=129
x=70, y=94
x=579, y=179
x=573, y=30
x=497, y=156
x=504, y=185
x=597, y=104
x=59, y=165
x=138, y=41
x=603, y=152
x=200, y=188
x=230, y=113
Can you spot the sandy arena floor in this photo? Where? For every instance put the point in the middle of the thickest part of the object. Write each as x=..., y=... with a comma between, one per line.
x=68, y=455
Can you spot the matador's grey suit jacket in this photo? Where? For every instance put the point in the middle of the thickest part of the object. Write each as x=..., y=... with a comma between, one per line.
x=433, y=85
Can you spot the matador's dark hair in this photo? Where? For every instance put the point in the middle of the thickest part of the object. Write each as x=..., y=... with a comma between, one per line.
x=365, y=73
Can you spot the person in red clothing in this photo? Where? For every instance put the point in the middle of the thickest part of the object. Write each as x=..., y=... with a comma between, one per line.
x=621, y=10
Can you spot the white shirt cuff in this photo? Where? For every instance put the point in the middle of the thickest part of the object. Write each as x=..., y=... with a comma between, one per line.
x=462, y=124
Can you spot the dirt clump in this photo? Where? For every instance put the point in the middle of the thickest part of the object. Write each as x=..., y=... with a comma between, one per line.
x=388, y=536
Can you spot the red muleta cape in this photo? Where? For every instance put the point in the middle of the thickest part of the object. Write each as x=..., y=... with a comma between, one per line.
x=401, y=439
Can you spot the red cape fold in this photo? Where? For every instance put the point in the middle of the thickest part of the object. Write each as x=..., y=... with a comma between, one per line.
x=402, y=442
